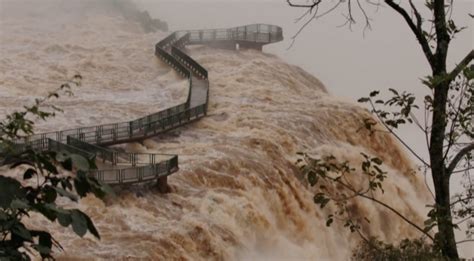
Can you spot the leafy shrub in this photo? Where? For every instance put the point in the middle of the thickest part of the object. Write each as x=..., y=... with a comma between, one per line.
x=416, y=249
x=41, y=183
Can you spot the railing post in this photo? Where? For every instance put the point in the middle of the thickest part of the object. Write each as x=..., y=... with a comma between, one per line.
x=81, y=137
x=114, y=135
x=168, y=118
x=114, y=158
x=97, y=134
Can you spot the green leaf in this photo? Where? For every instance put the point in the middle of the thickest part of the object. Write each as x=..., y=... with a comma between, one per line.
x=47, y=164
x=469, y=72
x=10, y=189
x=49, y=194
x=20, y=230
x=48, y=210
x=377, y=161
x=67, y=164
x=3, y=216
x=312, y=178
x=43, y=250
x=79, y=223
x=64, y=218
x=81, y=184
x=80, y=162
x=374, y=93
x=62, y=156
x=329, y=222
x=66, y=193
x=45, y=240
x=19, y=204
x=324, y=202
x=91, y=227
x=321, y=199
x=362, y=100
x=103, y=189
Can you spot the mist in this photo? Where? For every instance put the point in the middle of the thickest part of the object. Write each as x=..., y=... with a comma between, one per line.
x=237, y=196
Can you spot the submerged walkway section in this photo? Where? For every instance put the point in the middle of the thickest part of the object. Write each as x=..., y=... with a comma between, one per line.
x=115, y=167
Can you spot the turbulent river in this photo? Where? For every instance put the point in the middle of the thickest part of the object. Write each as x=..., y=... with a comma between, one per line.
x=238, y=194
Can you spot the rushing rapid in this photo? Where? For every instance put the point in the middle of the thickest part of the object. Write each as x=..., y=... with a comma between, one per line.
x=238, y=194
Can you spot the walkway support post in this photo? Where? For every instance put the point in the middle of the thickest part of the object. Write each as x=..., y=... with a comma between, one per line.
x=162, y=185
x=92, y=139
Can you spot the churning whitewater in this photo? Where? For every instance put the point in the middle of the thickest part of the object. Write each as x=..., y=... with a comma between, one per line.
x=238, y=194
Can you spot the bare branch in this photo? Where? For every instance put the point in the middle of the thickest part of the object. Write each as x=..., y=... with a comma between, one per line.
x=426, y=184
x=462, y=200
x=464, y=62
x=310, y=6
x=399, y=214
x=398, y=138
x=393, y=210
x=418, y=33
x=465, y=241
x=366, y=17
x=459, y=157
x=315, y=7
x=462, y=170
x=463, y=220
x=419, y=20
x=451, y=139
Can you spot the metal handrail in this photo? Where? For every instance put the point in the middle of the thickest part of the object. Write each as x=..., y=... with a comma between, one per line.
x=86, y=141
x=189, y=62
x=137, y=174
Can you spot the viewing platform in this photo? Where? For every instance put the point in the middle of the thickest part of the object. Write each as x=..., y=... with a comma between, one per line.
x=117, y=168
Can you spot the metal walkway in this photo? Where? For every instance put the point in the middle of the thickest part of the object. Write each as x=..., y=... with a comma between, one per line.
x=116, y=167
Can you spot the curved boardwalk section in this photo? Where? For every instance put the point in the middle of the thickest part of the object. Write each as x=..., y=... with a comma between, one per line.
x=116, y=167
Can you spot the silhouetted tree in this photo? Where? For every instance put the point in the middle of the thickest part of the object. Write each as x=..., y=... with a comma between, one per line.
x=42, y=182
x=449, y=132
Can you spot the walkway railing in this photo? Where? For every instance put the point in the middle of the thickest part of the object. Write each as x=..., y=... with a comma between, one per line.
x=90, y=141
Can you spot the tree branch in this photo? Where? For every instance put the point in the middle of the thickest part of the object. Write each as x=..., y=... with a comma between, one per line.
x=464, y=62
x=310, y=6
x=315, y=16
x=459, y=157
x=462, y=200
x=462, y=170
x=419, y=20
x=452, y=139
x=393, y=210
x=399, y=214
x=418, y=33
x=398, y=137
x=465, y=241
